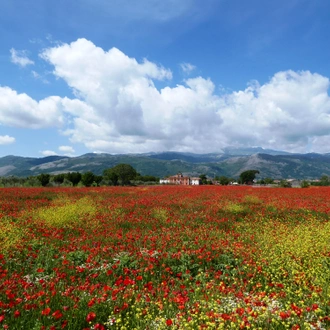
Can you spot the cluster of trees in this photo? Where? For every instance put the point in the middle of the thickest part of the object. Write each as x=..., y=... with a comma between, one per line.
x=124, y=174
x=324, y=181
x=246, y=177
x=121, y=174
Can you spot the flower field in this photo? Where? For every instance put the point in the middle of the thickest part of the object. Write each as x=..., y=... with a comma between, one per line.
x=171, y=257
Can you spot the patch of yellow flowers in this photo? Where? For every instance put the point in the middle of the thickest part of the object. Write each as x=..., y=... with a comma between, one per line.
x=67, y=213
x=10, y=233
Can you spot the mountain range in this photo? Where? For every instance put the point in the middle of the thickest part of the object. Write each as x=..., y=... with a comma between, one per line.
x=228, y=162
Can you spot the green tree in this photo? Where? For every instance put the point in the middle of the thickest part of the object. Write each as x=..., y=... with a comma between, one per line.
x=123, y=173
x=324, y=180
x=268, y=180
x=203, y=179
x=285, y=184
x=223, y=180
x=88, y=178
x=146, y=178
x=13, y=181
x=74, y=177
x=304, y=184
x=247, y=177
x=98, y=179
x=44, y=179
x=32, y=181
x=111, y=176
x=59, y=178
x=66, y=183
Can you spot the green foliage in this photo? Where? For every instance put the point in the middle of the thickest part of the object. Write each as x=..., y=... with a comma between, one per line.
x=324, y=180
x=146, y=178
x=121, y=172
x=285, y=184
x=98, y=179
x=223, y=180
x=66, y=183
x=77, y=257
x=248, y=176
x=203, y=178
x=32, y=181
x=266, y=181
x=111, y=176
x=304, y=184
x=12, y=181
x=44, y=179
x=87, y=178
x=59, y=178
x=73, y=177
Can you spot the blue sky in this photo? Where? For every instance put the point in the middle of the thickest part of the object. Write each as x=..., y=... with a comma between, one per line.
x=138, y=76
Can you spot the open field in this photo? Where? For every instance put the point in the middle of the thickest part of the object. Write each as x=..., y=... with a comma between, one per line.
x=165, y=258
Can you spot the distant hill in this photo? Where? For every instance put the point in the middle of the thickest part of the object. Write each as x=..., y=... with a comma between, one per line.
x=229, y=162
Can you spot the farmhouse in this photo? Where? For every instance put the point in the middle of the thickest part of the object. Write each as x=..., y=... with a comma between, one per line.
x=180, y=179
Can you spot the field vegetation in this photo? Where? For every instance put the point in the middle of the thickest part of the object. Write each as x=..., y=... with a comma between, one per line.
x=171, y=257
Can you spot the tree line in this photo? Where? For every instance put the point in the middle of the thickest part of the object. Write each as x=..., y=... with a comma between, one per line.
x=125, y=174
x=121, y=174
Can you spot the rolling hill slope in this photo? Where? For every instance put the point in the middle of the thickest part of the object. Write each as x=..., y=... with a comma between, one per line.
x=229, y=162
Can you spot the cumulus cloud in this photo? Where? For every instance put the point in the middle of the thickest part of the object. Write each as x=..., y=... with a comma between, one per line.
x=48, y=153
x=288, y=112
x=66, y=150
x=20, y=58
x=118, y=108
x=187, y=68
x=121, y=110
x=6, y=139
x=20, y=110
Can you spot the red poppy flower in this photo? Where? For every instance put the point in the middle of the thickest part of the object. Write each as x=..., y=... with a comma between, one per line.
x=46, y=311
x=169, y=322
x=57, y=314
x=284, y=315
x=90, y=317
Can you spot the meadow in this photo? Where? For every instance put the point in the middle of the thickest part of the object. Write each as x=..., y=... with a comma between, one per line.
x=172, y=257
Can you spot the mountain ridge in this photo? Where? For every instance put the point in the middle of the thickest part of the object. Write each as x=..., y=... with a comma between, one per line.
x=228, y=162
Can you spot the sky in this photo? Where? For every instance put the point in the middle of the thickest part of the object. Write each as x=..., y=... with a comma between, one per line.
x=126, y=76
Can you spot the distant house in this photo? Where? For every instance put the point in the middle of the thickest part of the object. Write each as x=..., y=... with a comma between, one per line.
x=180, y=179
x=195, y=181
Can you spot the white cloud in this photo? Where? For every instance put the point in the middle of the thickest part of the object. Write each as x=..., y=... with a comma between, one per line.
x=6, y=139
x=187, y=68
x=48, y=153
x=37, y=76
x=20, y=58
x=118, y=108
x=20, y=110
x=66, y=150
x=288, y=112
x=121, y=110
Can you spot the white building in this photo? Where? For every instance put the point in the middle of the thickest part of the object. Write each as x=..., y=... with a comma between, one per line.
x=195, y=181
x=181, y=180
